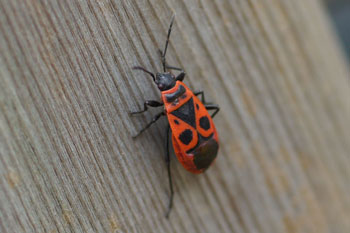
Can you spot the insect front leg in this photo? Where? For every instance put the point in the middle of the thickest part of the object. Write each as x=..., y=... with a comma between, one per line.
x=155, y=118
x=151, y=103
x=182, y=74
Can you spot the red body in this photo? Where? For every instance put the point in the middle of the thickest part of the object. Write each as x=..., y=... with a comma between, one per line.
x=194, y=136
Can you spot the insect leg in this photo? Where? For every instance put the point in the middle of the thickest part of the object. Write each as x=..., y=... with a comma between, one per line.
x=182, y=74
x=155, y=118
x=167, y=160
x=197, y=93
x=151, y=103
x=212, y=107
x=208, y=106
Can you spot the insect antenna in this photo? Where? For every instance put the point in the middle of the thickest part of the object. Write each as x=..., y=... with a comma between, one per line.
x=144, y=70
x=167, y=42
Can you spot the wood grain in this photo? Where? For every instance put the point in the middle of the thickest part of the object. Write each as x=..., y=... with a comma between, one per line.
x=67, y=159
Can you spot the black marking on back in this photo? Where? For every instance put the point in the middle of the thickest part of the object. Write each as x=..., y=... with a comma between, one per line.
x=200, y=141
x=186, y=136
x=204, y=123
x=173, y=96
x=205, y=154
x=186, y=113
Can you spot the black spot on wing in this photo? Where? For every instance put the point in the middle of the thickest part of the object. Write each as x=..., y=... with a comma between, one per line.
x=204, y=123
x=186, y=136
x=176, y=122
x=186, y=113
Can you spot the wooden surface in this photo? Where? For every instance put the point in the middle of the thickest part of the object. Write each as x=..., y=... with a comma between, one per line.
x=67, y=159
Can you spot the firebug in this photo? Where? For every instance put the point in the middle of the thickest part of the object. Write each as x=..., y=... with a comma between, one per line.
x=194, y=136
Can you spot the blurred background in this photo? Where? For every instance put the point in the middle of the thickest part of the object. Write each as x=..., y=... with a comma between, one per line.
x=340, y=13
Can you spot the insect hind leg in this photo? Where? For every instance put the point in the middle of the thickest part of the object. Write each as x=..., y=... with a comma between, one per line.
x=167, y=160
x=212, y=107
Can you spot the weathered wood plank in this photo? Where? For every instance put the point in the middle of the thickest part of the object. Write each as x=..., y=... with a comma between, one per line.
x=67, y=159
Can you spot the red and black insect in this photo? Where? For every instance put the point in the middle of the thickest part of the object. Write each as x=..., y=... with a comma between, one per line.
x=194, y=136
